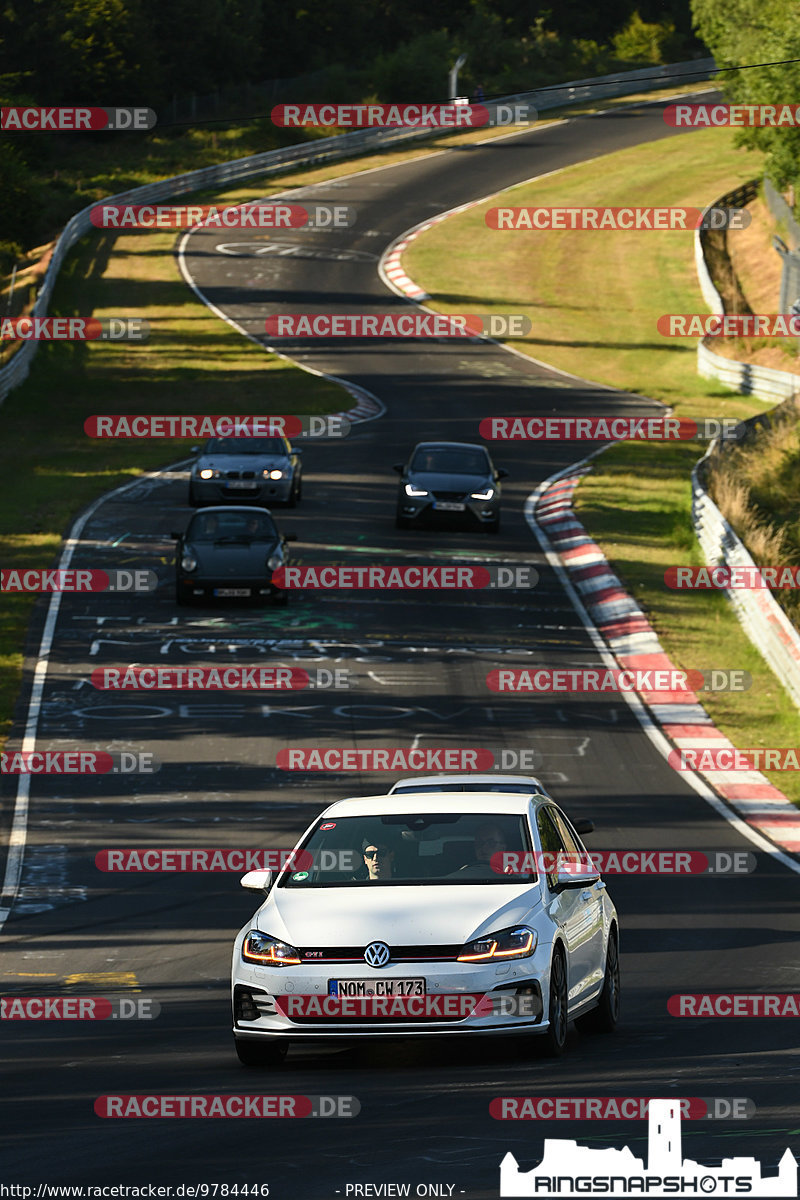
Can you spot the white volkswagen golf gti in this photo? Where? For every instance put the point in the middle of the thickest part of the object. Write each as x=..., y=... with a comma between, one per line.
x=427, y=915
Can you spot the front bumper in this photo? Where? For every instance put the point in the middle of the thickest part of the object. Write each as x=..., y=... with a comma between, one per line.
x=422, y=511
x=255, y=988
x=218, y=491
x=206, y=588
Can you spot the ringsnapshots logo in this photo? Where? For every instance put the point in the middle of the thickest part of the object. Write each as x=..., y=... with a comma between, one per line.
x=406, y=578
x=74, y=329
x=201, y=427
x=401, y=116
x=616, y=1108
x=78, y=1008
x=87, y=579
x=568, y=1170
x=72, y=119
x=397, y=325
x=258, y=215
x=219, y=679
x=706, y=116
x=609, y=429
x=616, y=219
x=667, y=681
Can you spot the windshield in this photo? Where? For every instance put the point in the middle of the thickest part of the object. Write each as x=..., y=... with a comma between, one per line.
x=246, y=445
x=241, y=526
x=413, y=848
x=451, y=461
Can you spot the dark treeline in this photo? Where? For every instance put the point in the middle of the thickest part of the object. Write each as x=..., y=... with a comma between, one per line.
x=229, y=53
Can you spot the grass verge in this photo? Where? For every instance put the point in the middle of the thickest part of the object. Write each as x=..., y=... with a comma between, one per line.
x=594, y=301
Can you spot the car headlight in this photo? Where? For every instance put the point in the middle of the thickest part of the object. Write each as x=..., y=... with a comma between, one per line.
x=518, y=942
x=272, y=474
x=411, y=490
x=487, y=495
x=268, y=951
x=188, y=562
x=274, y=561
x=207, y=473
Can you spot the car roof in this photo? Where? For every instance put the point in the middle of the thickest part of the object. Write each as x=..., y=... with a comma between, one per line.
x=429, y=802
x=529, y=782
x=450, y=446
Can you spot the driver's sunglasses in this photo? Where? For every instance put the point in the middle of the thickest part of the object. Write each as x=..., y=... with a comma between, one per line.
x=373, y=853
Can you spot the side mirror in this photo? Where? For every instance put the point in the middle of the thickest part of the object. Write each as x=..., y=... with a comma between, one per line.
x=399, y=467
x=194, y=449
x=176, y=535
x=579, y=875
x=502, y=473
x=291, y=537
x=583, y=827
x=257, y=881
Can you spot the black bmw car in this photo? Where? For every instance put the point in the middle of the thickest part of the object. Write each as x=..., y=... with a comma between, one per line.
x=230, y=552
x=447, y=480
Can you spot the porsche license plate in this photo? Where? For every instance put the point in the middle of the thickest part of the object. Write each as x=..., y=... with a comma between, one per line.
x=449, y=506
x=376, y=987
x=231, y=591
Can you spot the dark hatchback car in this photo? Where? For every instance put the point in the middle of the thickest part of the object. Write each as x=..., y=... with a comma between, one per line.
x=230, y=552
x=447, y=481
x=241, y=470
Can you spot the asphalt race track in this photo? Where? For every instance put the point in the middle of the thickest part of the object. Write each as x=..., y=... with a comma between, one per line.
x=417, y=667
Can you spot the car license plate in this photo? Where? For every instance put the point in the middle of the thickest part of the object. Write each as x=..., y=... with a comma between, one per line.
x=449, y=506
x=231, y=591
x=241, y=485
x=376, y=987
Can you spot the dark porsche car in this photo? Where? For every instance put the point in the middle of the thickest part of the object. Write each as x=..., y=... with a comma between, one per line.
x=257, y=470
x=230, y=552
x=446, y=481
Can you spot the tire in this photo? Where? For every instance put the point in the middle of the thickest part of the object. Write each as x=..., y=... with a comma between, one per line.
x=294, y=496
x=603, y=1019
x=555, y=1039
x=259, y=1054
x=193, y=501
x=281, y=598
x=401, y=522
x=181, y=599
x=494, y=526
x=300, y=486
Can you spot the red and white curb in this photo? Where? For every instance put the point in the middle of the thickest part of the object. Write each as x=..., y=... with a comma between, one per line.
x=633, y=642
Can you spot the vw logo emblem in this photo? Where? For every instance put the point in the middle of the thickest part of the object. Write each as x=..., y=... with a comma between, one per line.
x=377, y=954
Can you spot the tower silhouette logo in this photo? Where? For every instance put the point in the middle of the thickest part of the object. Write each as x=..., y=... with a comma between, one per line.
x=569, y=1170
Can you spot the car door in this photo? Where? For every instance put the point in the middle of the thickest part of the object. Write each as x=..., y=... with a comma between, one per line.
x=577, y=911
